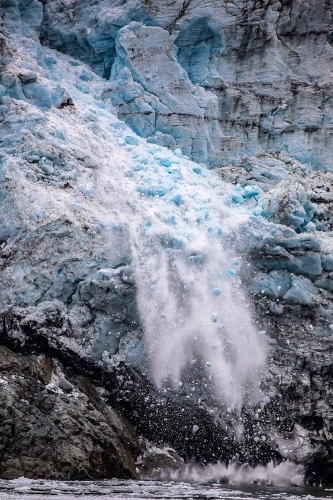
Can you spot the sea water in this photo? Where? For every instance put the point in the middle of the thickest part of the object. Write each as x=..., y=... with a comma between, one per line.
x=116, y=489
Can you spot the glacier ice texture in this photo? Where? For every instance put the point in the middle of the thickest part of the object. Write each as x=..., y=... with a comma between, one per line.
x=260, y=73
x=109, y=117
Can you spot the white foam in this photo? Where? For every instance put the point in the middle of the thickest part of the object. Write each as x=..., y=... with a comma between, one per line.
x=284, y=474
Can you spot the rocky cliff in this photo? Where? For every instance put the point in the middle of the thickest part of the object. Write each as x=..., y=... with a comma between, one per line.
x=92, y=95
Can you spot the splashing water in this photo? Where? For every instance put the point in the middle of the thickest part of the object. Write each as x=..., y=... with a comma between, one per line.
x=195, y=316
x=284, y=474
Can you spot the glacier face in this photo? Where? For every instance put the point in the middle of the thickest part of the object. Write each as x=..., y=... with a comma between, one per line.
x=94, y=217
x=264, y=68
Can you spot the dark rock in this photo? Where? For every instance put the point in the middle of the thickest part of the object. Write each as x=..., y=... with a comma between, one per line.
x=47, y=434
x=154, y=460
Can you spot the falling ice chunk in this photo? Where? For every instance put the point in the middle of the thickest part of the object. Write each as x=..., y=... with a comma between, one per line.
x=180, y=384
x=214, y=317
x=164, y=161
x=171, y=220
x=330, y=327
x=196, y=259
x=262, y=332
x=215, y=231
x=266, y=400
x=177, y=199
x=220, y=326
x=195, y=429
x=250, y=191
x=237, y=198
x=256, y=439
x=216, y=292
x=231, y=273
x=208, y=364
x=130, y=139
x=163, y=315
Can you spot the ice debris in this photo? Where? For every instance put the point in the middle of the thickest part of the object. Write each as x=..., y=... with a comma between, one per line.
x=71, y=170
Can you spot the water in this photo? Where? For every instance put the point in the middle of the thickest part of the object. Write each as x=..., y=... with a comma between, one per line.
x=115, y=489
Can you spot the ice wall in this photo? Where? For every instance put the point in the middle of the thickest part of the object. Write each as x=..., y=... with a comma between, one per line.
x=154, y=96
x=268, y=66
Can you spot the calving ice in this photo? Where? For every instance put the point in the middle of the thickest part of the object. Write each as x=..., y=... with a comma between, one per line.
x=197, y=321
x=166, y=247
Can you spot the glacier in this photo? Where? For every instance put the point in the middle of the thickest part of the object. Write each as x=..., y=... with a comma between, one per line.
x=248, y=74
x=190, y=296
